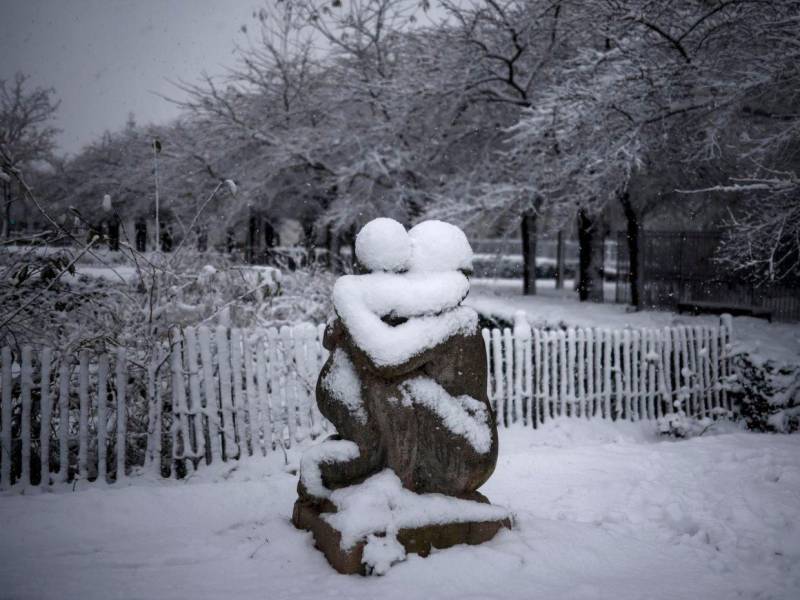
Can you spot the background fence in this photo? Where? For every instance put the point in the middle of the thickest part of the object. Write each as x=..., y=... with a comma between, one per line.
x=501, y=258
x=225, y=394
x=682, y=266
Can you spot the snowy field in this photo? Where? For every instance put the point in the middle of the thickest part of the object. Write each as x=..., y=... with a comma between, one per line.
x=602, y=510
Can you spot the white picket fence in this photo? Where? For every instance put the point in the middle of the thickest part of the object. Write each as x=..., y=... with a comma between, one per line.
x=628, y=374
x=225, y=394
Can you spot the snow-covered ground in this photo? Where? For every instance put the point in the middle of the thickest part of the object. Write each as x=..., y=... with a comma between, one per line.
x=603, y=510
x=503, y=297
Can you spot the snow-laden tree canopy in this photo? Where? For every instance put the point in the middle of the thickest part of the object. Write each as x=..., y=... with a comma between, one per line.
x=482, y=111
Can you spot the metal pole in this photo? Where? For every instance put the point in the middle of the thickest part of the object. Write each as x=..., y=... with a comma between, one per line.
x=156, y=150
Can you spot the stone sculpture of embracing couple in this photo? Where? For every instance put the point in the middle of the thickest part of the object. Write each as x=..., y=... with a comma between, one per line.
x=405, y=386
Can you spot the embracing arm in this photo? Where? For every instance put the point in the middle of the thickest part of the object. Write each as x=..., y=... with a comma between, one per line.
x=394, y=371
x=334, y=334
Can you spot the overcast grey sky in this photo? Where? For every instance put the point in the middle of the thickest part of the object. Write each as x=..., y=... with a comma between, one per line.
x=106, y=58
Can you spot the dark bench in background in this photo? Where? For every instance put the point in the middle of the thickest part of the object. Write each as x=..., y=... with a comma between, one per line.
x=737, y=310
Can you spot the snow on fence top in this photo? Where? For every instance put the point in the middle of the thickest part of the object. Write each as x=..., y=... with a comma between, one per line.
x=223, y=394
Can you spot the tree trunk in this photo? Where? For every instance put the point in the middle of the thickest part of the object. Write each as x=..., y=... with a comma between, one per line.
x=351, y=241
x=253, y=238
x=270, y=235
x=113, y=234
x=202, y=238
x=310, y=243
x=529, y=253
x=584, y=254
x=560, y=261
x=328, y=247
x=590, y=257
x=336, y=257
x=333, y=243
x=6, y=233
x=140, y=229
x=634, y=240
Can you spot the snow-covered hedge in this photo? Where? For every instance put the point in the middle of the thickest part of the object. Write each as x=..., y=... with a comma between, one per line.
x=767, y=393
x=118, y=299
x=765, y=397
x=510, y=266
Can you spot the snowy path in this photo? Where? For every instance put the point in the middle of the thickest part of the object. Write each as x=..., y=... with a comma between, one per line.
x=603, y=511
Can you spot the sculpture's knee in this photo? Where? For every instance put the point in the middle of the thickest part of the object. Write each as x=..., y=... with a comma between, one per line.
x=333, y=464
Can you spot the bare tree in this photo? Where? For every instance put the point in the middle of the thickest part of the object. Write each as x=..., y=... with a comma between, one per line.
x=26, y=132
x=261, y=118
x=513, y=51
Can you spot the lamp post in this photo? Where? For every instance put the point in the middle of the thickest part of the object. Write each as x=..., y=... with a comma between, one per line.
x=156, y=152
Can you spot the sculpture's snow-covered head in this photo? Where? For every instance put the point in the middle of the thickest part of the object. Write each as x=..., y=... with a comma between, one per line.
x=439, y=246
x=383, y=245
x=432, y=246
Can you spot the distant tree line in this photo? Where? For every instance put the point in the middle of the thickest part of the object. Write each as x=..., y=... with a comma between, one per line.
x=491, y=113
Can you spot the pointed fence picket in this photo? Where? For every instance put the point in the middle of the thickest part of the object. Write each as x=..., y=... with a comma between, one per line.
x=226, y=394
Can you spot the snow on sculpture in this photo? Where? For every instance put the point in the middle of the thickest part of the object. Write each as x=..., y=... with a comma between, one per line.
x=383, y=245
x=405, y=387
x=439, y=246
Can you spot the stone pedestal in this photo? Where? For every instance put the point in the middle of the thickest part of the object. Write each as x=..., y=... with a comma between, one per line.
x=419, y=540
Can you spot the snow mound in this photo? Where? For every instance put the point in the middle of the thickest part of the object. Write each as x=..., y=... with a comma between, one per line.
x=381, y=552
x=361, y=301
x=382, y=505
x=711, y=517
x=462, y=415
x=522, y=328
x=328, y=451
x=566, y=432
x=383, y=245
x=439, y=246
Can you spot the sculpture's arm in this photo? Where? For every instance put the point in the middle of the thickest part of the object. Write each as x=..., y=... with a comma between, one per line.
x=393, y=371
x=334, y=334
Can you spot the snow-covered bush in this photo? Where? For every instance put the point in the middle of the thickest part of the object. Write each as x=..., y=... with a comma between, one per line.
x=497, y=266
x=136, y=303
x=43, y=302
x=510, y=266
x=51, y=299
x=302, y=295
x=768, y=394
x=683, y=423
x=765, y=396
